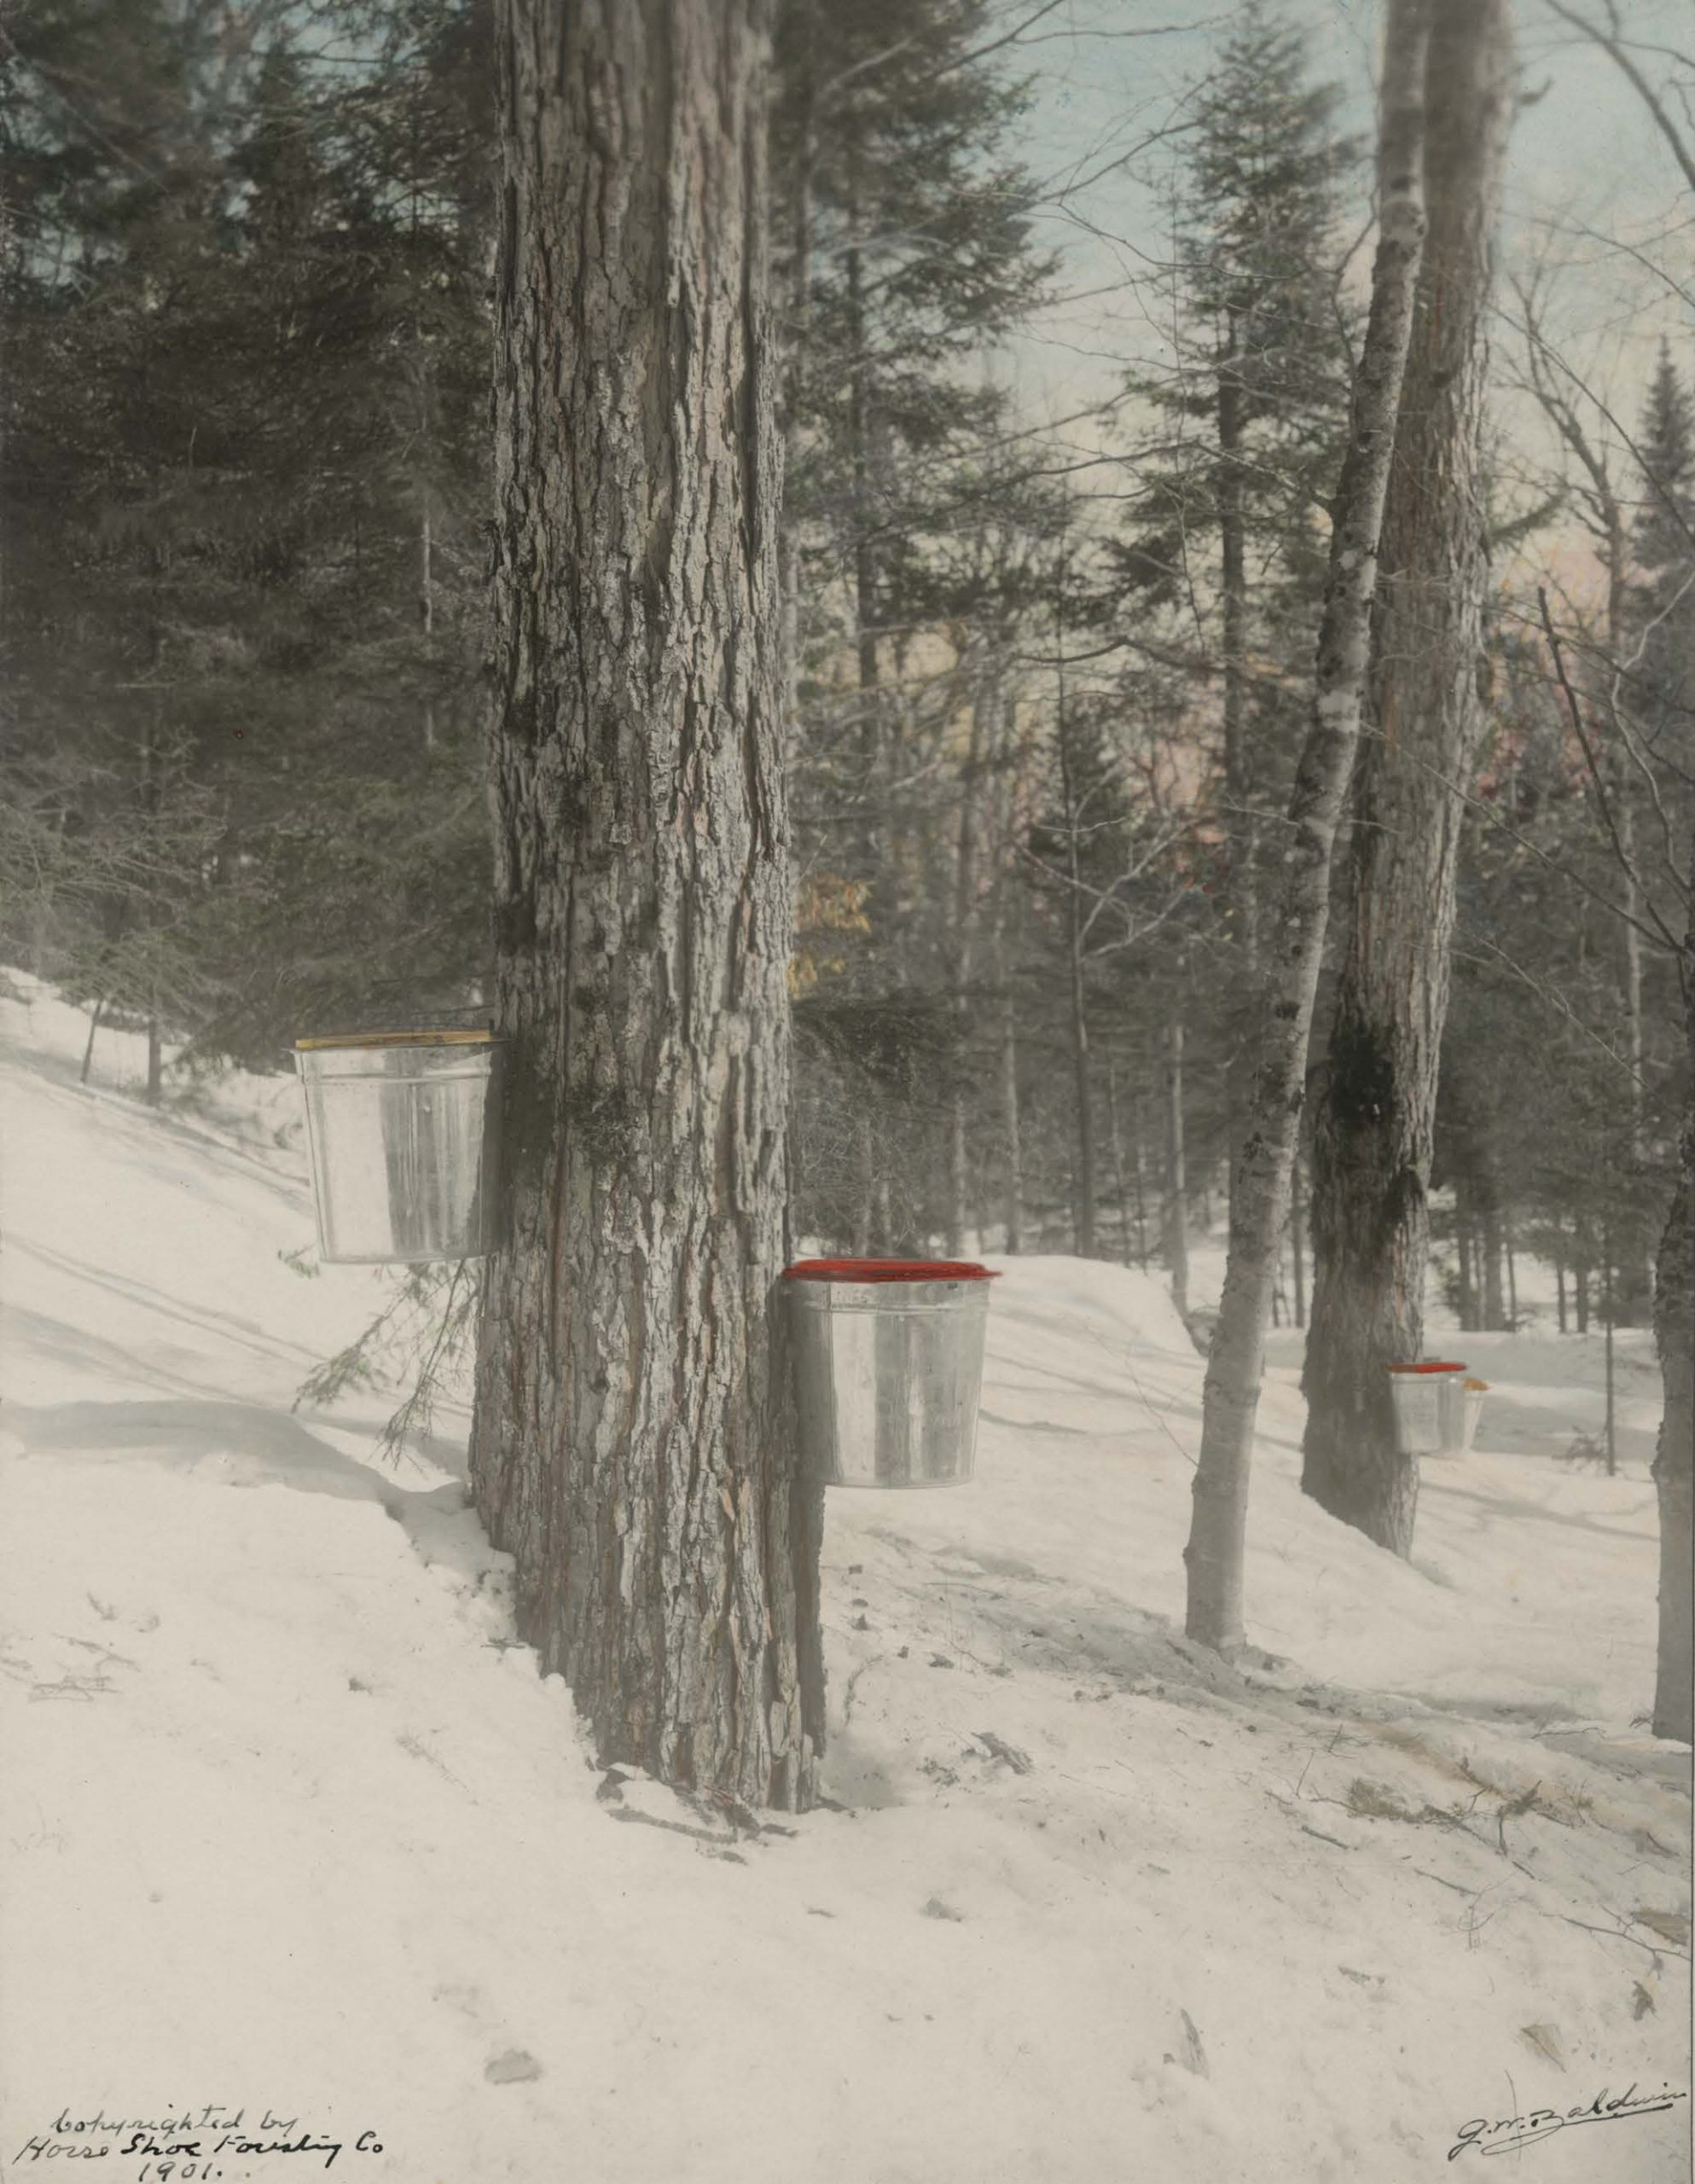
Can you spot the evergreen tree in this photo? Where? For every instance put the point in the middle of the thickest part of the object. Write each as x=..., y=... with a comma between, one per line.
x=243, y=450
x=902, y=235
x=1661, y=615
x=1252, y=412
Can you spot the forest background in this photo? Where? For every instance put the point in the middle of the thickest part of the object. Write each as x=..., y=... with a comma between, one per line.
x=1071, y=296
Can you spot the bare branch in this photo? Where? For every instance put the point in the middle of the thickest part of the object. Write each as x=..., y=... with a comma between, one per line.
x=1626, y=862
x=1613, y=47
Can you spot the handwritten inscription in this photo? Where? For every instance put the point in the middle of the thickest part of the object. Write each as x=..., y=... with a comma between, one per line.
x=194, y=2146
x=1509, y=2132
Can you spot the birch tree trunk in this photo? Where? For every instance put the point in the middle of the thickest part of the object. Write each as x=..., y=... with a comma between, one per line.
x=1292, y=956
x=1374, y=1121
x=634, y=1448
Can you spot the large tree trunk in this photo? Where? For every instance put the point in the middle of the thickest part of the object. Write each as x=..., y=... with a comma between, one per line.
x=634, y=1448
x=1259, y=1198
x=1375, y=1118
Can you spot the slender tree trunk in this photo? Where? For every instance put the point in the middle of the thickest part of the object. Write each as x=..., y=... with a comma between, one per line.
x=428, y=579
x=959, y=1174
x=633, y=1447
x=88, y=1049
x=865, y=572
x=1559, y=1291
x=1013, y=1156
x=1232, y=551
x=1637, y=1253
x=799, y=319
x=965, y=910
x=1176, y=1171
x=1375, y=1117
x=1492, y=1242
x=1296, y=1245
x=1611, y=1396
x=1082, y=1189
x=1259, y=1198
x=152, y=795
x=1082, y=1182
x=1136, y=1142
x=1512, y=1277
x=865, y=1193
x=1580, y=1284
x=1240, y=830
x=1674, y=1336
x=1118, y=1157
x=1675, y=1326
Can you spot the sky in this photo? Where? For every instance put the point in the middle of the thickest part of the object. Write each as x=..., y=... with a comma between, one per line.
x=1593, y=191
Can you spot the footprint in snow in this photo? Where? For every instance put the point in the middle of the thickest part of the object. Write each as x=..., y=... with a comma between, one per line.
x=513, y=2067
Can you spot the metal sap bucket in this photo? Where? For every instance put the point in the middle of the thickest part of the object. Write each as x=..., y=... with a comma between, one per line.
x=1463, y=1409
x=404, y=1141
x=888, y=1367
x=1429, y=1407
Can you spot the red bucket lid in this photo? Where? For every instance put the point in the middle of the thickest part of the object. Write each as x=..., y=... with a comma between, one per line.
x=888, y=1271
x=1429, y=1365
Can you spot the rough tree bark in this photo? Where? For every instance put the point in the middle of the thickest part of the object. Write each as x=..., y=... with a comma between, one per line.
x=1376, y=1096
x=634, y=1448
x=1259, y=1198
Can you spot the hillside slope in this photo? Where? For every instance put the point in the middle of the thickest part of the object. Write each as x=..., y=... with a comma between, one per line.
x=294, y=1828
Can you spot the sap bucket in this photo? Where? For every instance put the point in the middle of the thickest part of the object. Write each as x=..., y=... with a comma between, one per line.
x=1466, y=1409
x=403, y=1128
x=1426, y=1396
x=888, y=1366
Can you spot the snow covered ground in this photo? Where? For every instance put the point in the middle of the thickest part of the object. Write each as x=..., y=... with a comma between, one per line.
x=294, y=1831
